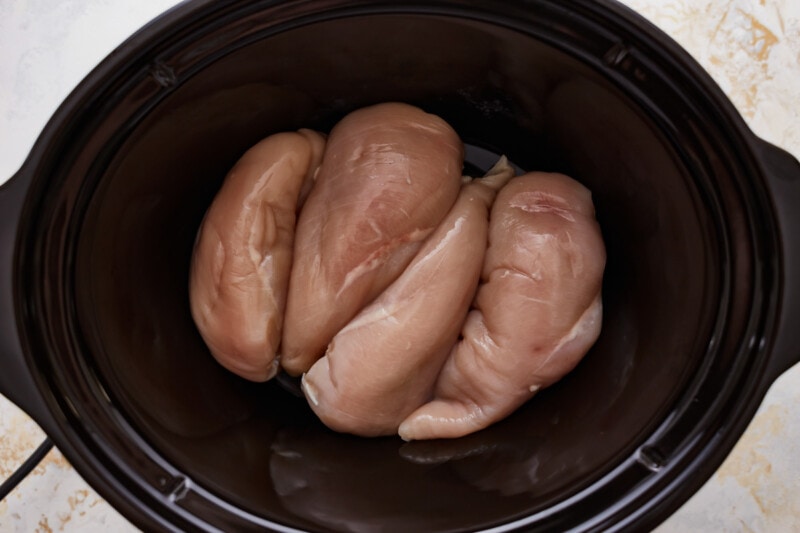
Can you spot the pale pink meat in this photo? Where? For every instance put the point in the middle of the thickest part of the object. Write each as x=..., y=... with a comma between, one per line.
x=536, y=314
x=243, y=254
x=390, y=174
x=384, y=363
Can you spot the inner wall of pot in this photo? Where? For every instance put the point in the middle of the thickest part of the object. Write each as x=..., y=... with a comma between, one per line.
x=260, y=447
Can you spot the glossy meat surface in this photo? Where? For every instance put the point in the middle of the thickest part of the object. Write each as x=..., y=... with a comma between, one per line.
x=383, y=364
x=243, y=253
x=390, y=174
x=537, y=311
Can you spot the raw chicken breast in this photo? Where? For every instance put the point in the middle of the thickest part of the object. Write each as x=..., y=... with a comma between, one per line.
x=390, y=174
x=243, y=254
x=384, y=363
x=536, y=313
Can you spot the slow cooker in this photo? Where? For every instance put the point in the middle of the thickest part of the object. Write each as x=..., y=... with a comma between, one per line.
x=701, y=292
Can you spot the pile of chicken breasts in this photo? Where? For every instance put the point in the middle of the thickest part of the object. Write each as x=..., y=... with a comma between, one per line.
x=410, y=299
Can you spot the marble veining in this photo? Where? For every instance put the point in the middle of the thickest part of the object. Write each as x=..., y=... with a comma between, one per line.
x=752, y=50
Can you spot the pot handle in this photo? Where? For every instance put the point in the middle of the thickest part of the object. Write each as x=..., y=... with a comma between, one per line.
x=16, y=381
x=783, y=178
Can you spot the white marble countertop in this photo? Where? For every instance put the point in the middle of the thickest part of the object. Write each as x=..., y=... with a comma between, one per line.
x=752, y=49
